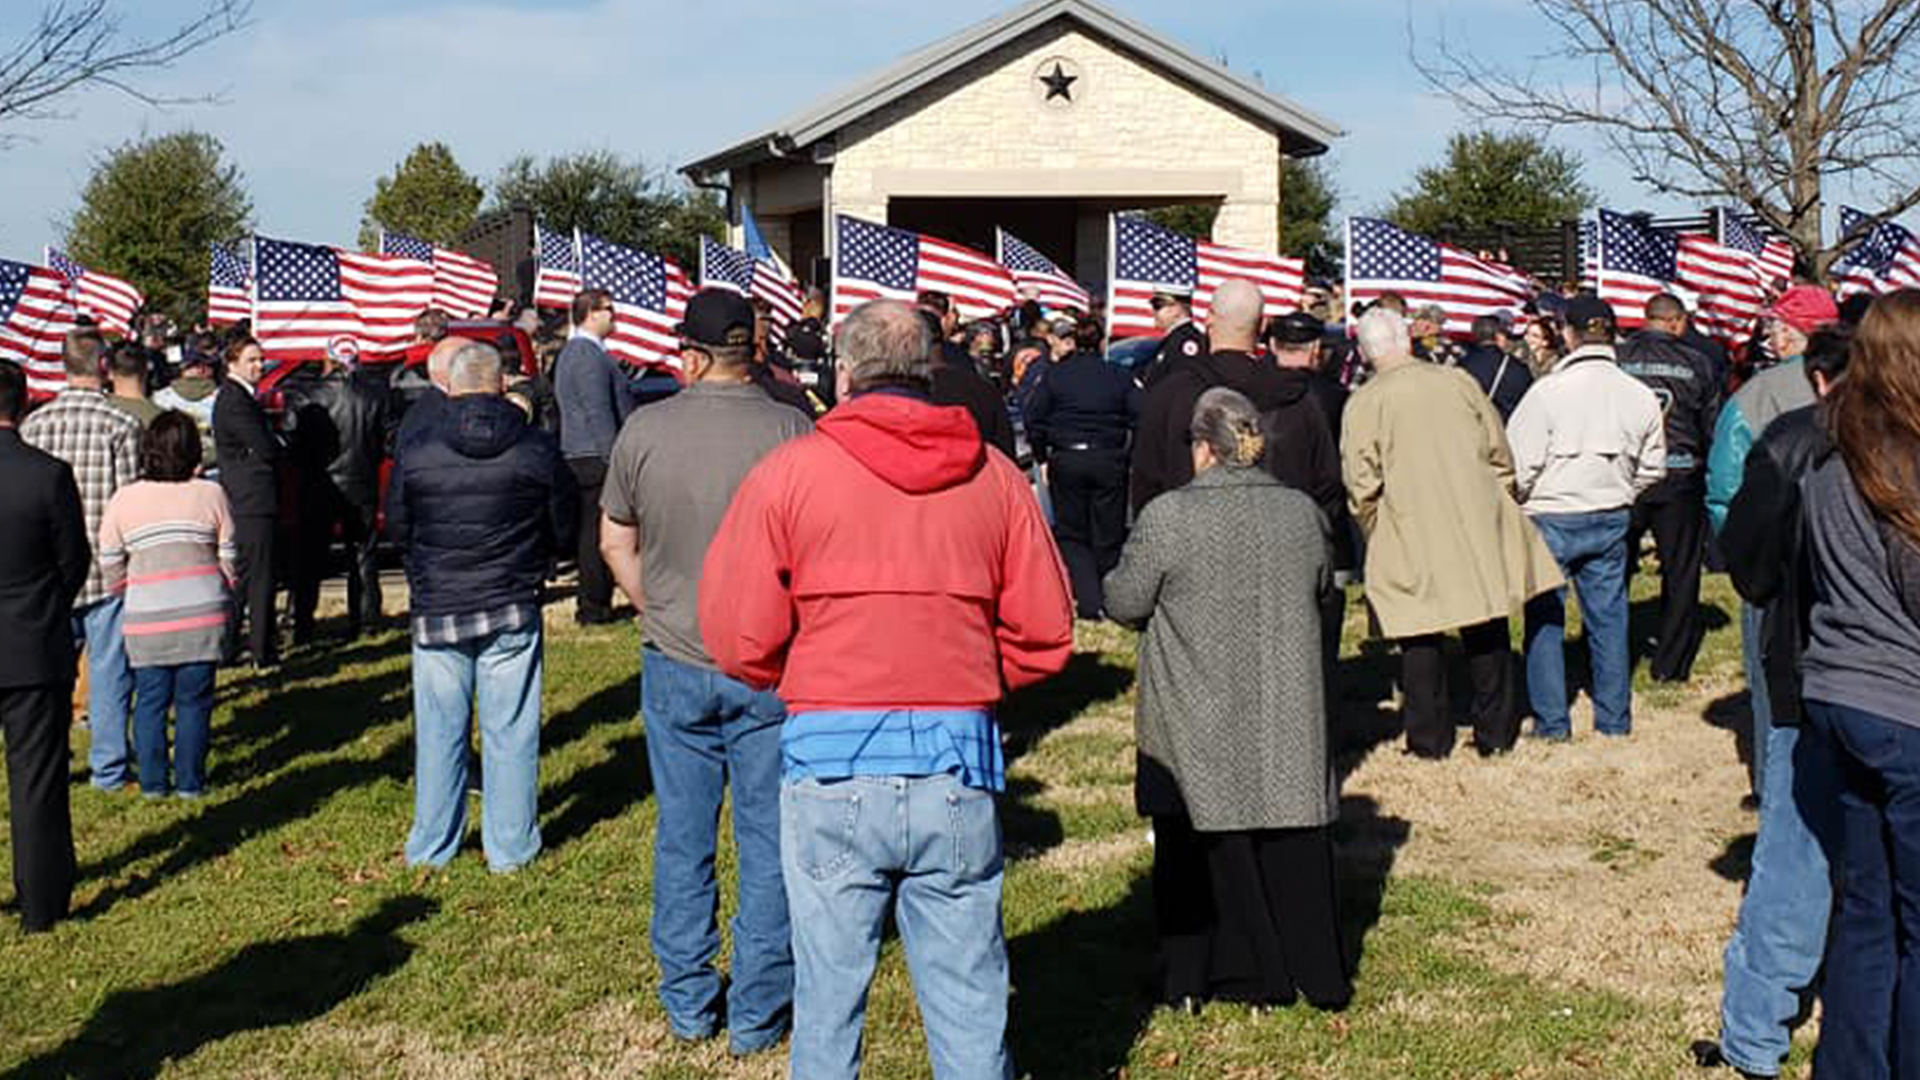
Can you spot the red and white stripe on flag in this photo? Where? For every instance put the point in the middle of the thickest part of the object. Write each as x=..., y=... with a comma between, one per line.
x=1281, y=280
x=1384, y=258
x=1729, y=286
x=647, y=337
x=880, y=262
x=557, y=280
x=105, y=299
x=35, y=315
x=388, y=293
x=979, y=287
x=462, y=284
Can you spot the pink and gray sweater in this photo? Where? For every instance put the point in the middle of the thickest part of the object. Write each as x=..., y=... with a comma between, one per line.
x=168, y=549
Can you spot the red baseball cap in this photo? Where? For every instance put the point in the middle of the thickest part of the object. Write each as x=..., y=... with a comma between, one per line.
x=1806, y=308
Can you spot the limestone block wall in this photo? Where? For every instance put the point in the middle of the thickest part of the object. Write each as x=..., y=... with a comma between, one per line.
x=1132, y=132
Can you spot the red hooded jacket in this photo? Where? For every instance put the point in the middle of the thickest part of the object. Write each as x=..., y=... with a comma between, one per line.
x=887, y=560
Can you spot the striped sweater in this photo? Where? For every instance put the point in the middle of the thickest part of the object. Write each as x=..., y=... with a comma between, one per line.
x=168, y=549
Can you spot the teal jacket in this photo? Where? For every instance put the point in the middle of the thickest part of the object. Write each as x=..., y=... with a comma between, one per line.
x=1768, y=395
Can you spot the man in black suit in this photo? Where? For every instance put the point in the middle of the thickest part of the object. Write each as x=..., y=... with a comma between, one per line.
x=44, y=559
x=248, y=453
x=957, y=380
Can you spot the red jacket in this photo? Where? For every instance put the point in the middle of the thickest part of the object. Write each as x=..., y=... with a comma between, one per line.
x=888, y=559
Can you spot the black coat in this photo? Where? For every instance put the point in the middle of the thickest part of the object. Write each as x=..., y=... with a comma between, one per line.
x=1081, y=401
x=1763, y=544
x=338, y=432
x=1183, y=343
x=957, y=382
x=44, y=559
x=1682, y=377
x=1300, y=449
x=248, y=451
x=1504, y=378
x=481, y=503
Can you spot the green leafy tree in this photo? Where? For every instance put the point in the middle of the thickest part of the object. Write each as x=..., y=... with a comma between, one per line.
x=1307, y=198
x=149, y=212
x=615, y=199
x=1489, y=181
x=1193, y=220
x=429, y=196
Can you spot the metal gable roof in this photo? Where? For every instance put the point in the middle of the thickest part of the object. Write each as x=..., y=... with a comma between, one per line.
x=1304, y=133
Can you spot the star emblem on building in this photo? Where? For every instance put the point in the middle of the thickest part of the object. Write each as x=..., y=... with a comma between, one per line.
x=1059, y=84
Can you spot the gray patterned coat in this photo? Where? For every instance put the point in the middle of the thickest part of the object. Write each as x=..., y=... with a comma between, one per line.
x=1227, y=575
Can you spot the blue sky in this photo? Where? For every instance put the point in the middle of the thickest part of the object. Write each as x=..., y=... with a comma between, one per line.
x=322, y=97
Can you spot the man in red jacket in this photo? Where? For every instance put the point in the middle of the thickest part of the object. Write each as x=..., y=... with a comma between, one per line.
x=893, y=578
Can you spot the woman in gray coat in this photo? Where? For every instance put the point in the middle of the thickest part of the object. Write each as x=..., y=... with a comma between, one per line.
x=1227, y=575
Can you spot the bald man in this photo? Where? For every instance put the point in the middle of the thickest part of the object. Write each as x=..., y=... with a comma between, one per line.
x=1300, y=447
x=426, y=402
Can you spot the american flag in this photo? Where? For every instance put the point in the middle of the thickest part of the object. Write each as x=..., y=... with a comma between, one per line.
x=724, y=267
x=773, y=281
x=35, y=315
x=557, y=277
x=879, y=262
x=1636, y=262
x=1888, y=258
x=1774, y=255
x=649, y=298
x=229, y=286
x=110, y=301
x=1589, y=254
x=306, y=295
x=1032, y=270
x=1147, y=258
x=462, y=284
x=727, y=267
x=1730, y=286
x=1382, y=258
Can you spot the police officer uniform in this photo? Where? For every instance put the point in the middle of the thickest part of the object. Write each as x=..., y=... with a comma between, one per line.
x=1080, y=424
x=1184, y=342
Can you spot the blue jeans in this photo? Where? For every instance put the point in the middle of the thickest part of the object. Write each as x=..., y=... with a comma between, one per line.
x=1592, y=552
x=109, y=690
x=1759, y=694
x=931, y=846
x=1871, y=1027
x=1777, y=946
x=704, y=729
x=496, y=678
x=188, y=689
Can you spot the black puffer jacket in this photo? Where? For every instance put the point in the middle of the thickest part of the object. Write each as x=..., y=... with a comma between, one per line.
x=338, y=430
x=481, y=503
x=1763, y=543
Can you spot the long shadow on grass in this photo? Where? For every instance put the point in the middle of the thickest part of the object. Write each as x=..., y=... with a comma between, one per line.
x=299, y=722
x=1734, y=714
x=597, y=793
x=230, y=821
x=1084, y=982
x=135, y=1033
x=1088, y=679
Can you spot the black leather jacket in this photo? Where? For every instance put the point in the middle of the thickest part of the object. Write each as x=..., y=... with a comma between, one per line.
x=337, y=430
x=1682, y=377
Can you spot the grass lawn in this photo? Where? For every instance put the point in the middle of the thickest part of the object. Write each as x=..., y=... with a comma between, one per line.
x=273, y=930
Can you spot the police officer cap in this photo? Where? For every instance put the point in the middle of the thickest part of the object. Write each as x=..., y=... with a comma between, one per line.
x=1296, y=328
x=1174, y=293
x=718, y=317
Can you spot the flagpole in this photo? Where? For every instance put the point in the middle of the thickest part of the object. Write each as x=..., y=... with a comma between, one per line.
x=1112, y=227
x=1346, y=271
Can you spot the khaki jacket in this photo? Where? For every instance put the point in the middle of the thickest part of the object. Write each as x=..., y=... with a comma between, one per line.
x=1430, y=480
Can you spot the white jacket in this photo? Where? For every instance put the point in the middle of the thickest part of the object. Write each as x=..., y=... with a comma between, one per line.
x=1587, y=437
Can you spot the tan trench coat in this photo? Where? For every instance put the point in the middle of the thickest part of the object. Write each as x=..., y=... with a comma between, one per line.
x=1430, y=479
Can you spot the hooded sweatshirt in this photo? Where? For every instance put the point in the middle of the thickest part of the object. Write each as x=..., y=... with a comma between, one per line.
x=193, y=395
x=481, y=503
x=886, y=561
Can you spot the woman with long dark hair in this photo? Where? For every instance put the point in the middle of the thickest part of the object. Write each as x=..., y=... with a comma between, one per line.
x=1861, y=682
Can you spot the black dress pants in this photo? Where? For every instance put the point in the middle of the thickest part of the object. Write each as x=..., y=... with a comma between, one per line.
x=1248, y=916
x=594, y=599
x=253, y=536
x=361, y=528
x=34, y=721
x=1675, y=510
x=322, y=513
x=1428, y=710
x=1089, y=490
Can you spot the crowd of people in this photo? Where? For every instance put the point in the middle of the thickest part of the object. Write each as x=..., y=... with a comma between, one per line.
x=842, y=559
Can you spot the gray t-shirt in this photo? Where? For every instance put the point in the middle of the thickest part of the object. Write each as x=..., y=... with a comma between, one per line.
x=673, y=473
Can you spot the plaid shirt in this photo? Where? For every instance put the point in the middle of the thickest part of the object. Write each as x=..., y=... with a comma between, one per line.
x=102, y=444
x=441, y=630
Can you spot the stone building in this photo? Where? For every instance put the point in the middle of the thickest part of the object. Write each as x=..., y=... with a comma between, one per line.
x=1042, y=120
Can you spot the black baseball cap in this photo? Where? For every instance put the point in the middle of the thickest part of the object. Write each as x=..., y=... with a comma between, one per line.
x=1296, y=328
x=718, y=317
x=1585, y=310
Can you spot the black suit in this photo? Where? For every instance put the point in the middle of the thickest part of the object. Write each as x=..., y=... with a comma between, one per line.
x=44, y=559
x=956, y=381
x=248, y=453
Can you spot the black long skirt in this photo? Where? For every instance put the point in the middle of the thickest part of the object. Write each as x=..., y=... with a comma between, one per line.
x=1247, y=916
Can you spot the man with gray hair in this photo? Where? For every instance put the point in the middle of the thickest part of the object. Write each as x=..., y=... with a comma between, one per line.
x=1430, y=479
x=891, y=578
x=480, y=503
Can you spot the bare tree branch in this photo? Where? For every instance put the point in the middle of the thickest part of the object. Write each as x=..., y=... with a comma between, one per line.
x=1758, y=102
x=80, y=43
